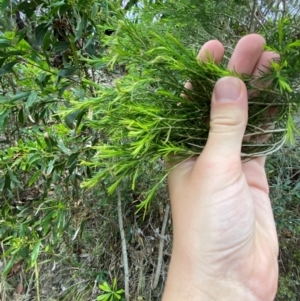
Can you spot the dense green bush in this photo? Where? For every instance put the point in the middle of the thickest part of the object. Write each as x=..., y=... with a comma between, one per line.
x=69, y=95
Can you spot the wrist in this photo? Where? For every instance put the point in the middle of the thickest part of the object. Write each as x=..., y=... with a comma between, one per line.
x=186, y=281
x=215, y=291
x=179, y=289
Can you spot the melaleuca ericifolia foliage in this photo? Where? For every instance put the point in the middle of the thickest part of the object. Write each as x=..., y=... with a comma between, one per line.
x=145, y=118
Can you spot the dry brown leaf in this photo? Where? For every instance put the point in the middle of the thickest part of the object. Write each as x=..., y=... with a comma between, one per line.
x=20, y=288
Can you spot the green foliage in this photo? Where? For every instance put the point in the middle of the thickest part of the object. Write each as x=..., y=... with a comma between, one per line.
x=283, y=173
x=110, y=293
x=39, y=150
x=61, y=130
x=23, y=230
x=146, y=118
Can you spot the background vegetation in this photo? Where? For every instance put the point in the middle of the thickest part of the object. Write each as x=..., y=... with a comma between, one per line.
x=60, y=240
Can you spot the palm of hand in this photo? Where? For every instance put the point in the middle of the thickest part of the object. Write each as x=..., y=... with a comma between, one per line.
x=227, y=223
x=226, y=218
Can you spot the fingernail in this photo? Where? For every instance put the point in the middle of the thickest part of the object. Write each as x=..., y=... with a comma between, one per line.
x=227, y=89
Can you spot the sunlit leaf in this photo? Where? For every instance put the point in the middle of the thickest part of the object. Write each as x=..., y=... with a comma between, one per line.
x=31, y=99
x=4, y=43
x=20, y=96
x=9, y=265
x=50, y=167
x=35, y=253
x=40, y=33
x=7, y=68
x=34, y=178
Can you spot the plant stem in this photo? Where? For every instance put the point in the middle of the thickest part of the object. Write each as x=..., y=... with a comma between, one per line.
x=161, y=247
x=253, y=11
x=124, y=247
x=36, y=271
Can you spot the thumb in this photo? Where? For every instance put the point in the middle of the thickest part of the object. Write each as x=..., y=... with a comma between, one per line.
x=228, y=118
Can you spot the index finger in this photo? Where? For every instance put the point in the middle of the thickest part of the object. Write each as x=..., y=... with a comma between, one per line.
x=214, y=50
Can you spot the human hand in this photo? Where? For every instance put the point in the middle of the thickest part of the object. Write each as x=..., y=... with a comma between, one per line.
x=225, y=243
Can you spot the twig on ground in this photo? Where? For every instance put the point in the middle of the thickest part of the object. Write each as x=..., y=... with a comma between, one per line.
x=124, y=247
x=30, y=285
x=37, y=281
x=161, y=247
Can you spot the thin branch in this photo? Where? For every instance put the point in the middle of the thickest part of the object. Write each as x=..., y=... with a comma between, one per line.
x=30, y=285
x=277, y=12
x=124, y=247
x=259, y=22
x=46, y=70
x=283, y=8
x=161, y=247
x=252, y=15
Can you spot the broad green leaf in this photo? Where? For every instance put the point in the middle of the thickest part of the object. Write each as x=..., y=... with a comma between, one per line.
x=72, y=117
x=50, y=167
x=66, y=150
x=24, y=252
x=12, y=176
x=2, y=60
x=47, y=224
x=105, y=287
x=5, y=43
x=7, y=68
x=47, y=40
x=72, y=162
x=79, y=118
x=7, y=181
x=21, y=116
x=31, y=99
x=70, y=120
x=11, y=53
x=73, y=179
x=40, y=33
x=115, y=283
x=4, y=4
x=19, y=96
x=35, y=253
x=63, y=9
x=3, y=119
x=33, y=158
x=23, y=45
x=80, y=3
x=61, y=46
x=80, y=93
x=80, y=26
x=42, y=80
x=91, y=48
x=29, y=7
x=294, y=44
x=33, y=178
x=66, y=71
x=9, y=265
x=63, y=88
x=104, y=297
x=3, y=99
x=95, y=9
x=58, y=3
x=44, y=77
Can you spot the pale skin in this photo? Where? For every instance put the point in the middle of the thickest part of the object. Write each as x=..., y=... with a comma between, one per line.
x=225, y=243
